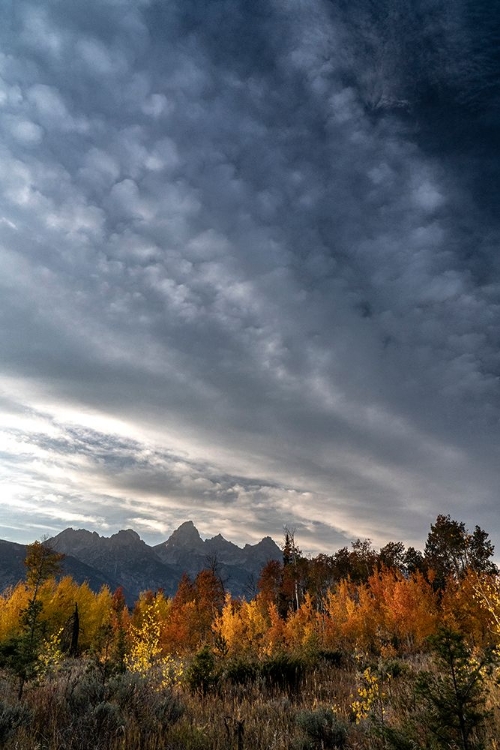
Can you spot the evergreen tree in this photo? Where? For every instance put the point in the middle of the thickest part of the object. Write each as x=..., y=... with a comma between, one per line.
x=455, y=694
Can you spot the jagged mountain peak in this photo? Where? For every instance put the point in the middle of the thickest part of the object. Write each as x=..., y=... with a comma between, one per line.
x=186, y=535
x=220, y=543
x=266, y=541
x=126, y=537
x=70, y=532
x=125, y=559
x=70, y=541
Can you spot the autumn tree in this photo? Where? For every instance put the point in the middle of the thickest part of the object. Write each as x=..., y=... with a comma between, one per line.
x=12, y=602
x=177, y=632
x=241, y=627
x=283, y=584
x=209, y=601
x=303, y=627
x=209, y=591
x=145, y=654
x=21, y=653
x=269, y=583
x=193, y=610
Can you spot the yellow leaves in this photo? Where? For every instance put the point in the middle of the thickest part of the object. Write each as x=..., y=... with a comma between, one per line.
x=370, y=696
x=302, y=626
x=145, y=655
x=145, y=646
x=484, y=595
x=242, y=625
x=410, y=609
x=275, y=635
x=50, y=657
x=389, y=615
x=12, y=603
x=59, y=601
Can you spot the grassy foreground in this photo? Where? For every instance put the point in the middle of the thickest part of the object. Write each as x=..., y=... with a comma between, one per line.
x=447, y=698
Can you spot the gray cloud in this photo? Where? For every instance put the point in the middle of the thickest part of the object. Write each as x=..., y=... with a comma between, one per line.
x=242, y=233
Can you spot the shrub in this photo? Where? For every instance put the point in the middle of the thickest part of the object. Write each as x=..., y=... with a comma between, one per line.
x=93, y=713
x=392, y=668
x=322, y=728
x=202, y=675
x=240, y=672
x=11, y=718
x=153, y=709
x=283, y=671
x=335, y=658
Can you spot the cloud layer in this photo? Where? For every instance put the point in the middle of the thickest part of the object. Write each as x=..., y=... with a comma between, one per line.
x=249, y=268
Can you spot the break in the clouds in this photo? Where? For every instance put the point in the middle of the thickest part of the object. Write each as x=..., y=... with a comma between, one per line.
x=249, y=267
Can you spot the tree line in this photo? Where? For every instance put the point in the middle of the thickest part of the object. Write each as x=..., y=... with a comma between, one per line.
x=389, y=648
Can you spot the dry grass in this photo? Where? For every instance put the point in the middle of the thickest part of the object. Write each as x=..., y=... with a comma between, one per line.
x=78, y=710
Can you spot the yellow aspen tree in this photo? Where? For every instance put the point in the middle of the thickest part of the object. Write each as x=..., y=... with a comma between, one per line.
x=255, y=626
x=466, y=612
x=333, y=614
x=58, y=599
x=405, y=610
x=228, y=627
x=145, y=655
x=95, y=614
x=274, y=640
x=302, y=627
x=487, y=593
x=242, y=626
x=12, y=602
x=339, y=608
x=412, y=612
x=365, y=623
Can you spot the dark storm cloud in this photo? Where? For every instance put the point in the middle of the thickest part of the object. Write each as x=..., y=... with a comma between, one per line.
x=265, y=234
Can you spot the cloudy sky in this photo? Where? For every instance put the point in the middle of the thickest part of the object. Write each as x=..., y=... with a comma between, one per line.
x=249, y=267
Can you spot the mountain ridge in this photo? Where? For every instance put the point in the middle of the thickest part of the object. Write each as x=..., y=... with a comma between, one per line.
x=124, y=559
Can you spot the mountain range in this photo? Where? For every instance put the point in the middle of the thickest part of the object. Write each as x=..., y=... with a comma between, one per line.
x=124, y=559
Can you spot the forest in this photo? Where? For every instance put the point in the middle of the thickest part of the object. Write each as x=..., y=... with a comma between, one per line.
x=393, y=648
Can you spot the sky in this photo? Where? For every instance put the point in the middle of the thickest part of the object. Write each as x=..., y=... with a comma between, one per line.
x=249, y=268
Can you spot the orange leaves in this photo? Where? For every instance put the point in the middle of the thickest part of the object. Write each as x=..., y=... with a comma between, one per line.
x=297, y=610
x=410, y=609
x=389, y=610
x=194, y=608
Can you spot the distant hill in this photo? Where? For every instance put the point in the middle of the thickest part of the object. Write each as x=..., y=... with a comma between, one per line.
x=124, y=559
